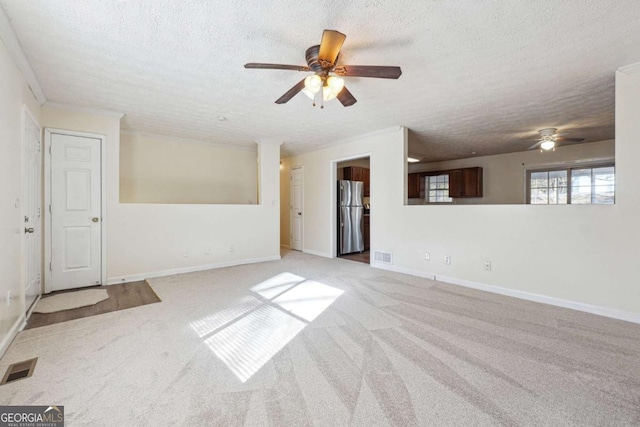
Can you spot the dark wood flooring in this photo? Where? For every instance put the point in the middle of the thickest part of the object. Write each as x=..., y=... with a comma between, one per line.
x=359, y=257
x=122, y=296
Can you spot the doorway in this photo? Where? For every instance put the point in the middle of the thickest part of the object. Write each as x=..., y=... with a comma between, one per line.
x=297, y=214
x=74, y=193
x=353, y=214
x=32, y=210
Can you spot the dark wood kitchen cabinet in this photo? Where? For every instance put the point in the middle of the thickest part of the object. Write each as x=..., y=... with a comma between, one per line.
x=365, y=176
x=413, y=185
x=366, y=233
x=355, y=173
x=465, y=182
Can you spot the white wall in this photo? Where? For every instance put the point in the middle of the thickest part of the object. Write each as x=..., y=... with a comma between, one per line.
x=581, y=253
x=14, y=95
x=149, y=239
x=505, y=174
x=155, y=169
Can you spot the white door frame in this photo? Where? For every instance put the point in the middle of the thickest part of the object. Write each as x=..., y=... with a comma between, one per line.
x=291, y=208
x=27, y=112
x=48, y=132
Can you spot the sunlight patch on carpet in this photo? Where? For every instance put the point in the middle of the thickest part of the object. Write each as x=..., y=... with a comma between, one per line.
x=248, y=334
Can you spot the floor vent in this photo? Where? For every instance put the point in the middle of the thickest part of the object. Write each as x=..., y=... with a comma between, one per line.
x=383, y=257
x=19, y=370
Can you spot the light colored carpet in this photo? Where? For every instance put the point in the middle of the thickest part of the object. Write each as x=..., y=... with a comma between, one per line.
x=71, y=300
x=314, y=341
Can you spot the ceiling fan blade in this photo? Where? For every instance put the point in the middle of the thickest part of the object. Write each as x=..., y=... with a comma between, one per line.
x=276, y=66
x=330, y=45
x=564, y=139
x=346, y=98
x=380, y=72
x=535, y=145
x=291, y=93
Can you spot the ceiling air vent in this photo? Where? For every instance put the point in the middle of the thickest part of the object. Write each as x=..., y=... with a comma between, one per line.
x=383, y=257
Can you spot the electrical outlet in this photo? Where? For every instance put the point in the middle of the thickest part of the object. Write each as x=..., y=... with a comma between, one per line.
x=8, y=298
x=427, y=256
x=185, y=254
x=232, y=248
x=207, y=250
x=487, y=266
x=447, y=259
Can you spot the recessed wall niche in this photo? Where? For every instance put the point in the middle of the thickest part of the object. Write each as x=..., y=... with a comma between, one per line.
x=164, y=170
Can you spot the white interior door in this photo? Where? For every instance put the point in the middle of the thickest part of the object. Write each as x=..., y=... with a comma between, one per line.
x=32, y=210
x=297, y=217
x=76, y=212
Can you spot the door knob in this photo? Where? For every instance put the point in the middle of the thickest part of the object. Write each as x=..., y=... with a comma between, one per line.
x=95, y=219
x=299, y=213
x=29, y=230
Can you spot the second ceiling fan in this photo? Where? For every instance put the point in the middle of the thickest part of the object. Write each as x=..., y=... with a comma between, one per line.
x=327, y=78
x=549, y=139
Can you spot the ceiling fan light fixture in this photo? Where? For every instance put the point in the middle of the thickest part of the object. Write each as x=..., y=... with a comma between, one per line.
x=336, y=84
x=313, y=83
x=322, y=60
x=332, y=87
x=327, y=95
x=547, y=144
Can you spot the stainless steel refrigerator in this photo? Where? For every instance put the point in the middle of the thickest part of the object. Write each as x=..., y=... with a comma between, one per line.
x=350, y=217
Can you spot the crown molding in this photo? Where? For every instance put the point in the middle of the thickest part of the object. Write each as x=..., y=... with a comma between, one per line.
x=96, y=111
x=252, y=148
x=15, y=50
x=630, y=69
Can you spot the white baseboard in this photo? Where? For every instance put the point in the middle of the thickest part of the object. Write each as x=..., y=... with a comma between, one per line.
x=33, y=307
x=17, y=327
x=182, y=270
x=316, y=253
x=391, y=267
x=529, y=296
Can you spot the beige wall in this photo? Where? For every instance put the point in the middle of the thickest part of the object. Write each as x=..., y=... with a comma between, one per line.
x=15, y=95
x=285, y=204
x=505, y=174
x=582, y=254
x=144, y=240
x=154, y=169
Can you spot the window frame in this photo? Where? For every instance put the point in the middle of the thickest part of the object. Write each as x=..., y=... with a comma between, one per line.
x=426, y=179
x=568, y=169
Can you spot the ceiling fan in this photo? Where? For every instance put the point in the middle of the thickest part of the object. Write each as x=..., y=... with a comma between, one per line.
x=549, y=138
x=327, y=78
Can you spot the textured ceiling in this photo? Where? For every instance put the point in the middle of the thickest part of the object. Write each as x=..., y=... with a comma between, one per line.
x=478, y=75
